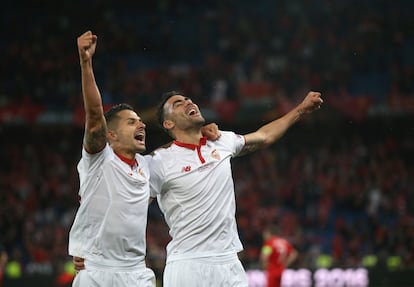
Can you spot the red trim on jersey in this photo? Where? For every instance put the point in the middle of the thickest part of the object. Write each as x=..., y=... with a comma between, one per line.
x=130, y=162
x=203, y=141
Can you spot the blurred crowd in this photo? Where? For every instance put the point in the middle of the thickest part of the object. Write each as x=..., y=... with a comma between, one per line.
x=342, y=193
x=347, y=195
x=208, y=49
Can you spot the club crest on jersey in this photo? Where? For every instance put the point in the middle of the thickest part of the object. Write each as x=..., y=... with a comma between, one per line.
x=215, y=154
x=186, y=168
x=141, y=173
x=138, y=171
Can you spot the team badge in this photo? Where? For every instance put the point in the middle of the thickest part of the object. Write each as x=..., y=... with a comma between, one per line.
x=141, y=173
x=138, y=170
x=215, y=154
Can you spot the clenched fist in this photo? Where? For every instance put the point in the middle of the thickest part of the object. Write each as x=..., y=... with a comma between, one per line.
x=312, y=101
x=86, y=46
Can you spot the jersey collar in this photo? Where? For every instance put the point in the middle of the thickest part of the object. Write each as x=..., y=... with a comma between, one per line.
x=130, y=162
x=203, y=141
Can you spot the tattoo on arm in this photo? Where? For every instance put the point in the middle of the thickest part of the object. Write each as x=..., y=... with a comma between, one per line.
x=95, y=141
x=249, y=148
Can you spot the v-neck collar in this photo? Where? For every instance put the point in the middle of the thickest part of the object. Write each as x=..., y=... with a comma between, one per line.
x=130, y=162
x=202, y=142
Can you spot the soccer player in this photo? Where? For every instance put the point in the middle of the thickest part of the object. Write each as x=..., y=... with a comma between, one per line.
x=109, y=228
x=277, y=254
x=107, y=238
x=192, y=180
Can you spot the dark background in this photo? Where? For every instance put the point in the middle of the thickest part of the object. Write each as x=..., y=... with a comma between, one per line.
x=339, y=183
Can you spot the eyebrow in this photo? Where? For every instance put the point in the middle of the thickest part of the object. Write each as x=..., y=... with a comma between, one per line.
x=180, y=100
x=177, y=101
x=133, y=119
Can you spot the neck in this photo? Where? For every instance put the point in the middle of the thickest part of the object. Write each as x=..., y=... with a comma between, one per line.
x=122, y=152
x=189, y=137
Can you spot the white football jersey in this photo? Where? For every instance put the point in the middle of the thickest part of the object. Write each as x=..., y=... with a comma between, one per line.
x=195, y=191
x=109, y=227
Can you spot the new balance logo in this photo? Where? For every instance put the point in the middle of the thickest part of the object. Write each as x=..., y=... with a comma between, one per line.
x=186, y=168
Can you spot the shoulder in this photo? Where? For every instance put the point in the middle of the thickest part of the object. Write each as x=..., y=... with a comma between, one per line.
x=107, y=151
x=227, y=136
x=160, y=158
x=161, y=153
x=164, y=149
x=230, y=141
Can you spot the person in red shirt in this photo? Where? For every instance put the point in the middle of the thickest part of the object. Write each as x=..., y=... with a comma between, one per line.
x=276, y=255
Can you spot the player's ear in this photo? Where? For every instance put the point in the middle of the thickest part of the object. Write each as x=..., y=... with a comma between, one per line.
x=167, y=124
x=111, y=135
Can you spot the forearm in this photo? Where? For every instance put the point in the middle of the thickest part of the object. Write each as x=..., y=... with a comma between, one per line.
x=291, y=258
x=271, y=132
x=264, y=261
x=274, y=130
x=91, y=95
x=95, y=125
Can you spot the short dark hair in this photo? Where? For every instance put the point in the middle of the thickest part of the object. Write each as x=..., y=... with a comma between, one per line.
x=160, y=107
x=111, y=114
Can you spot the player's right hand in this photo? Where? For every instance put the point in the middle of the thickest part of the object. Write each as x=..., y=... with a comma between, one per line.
x=79, y=263
x=86, y=46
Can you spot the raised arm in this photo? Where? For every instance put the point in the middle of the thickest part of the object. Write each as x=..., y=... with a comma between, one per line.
x=271, y=132
x=95, y=126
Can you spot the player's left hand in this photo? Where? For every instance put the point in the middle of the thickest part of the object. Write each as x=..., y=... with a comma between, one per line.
x=211, y=131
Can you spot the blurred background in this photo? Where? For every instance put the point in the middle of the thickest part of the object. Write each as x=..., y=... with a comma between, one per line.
x=340, y=184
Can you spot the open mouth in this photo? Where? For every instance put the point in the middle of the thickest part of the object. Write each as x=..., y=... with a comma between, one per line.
x=192, y=111
x=139, y=137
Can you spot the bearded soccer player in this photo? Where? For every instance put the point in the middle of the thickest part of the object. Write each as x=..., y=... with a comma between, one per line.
x=192, y=180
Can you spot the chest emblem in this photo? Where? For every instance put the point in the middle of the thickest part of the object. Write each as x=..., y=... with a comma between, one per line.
x=141, y=173
x=215, y=154
x=138, y=171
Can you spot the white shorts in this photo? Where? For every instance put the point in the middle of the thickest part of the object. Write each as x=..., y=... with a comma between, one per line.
x=115, y=277
x=205, y=272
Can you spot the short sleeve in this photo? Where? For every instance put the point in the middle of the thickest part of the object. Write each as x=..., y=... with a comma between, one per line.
x=234, y=141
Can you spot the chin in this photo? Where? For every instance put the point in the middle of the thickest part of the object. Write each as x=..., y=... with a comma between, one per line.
x=141, y=149
x=201, y=120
